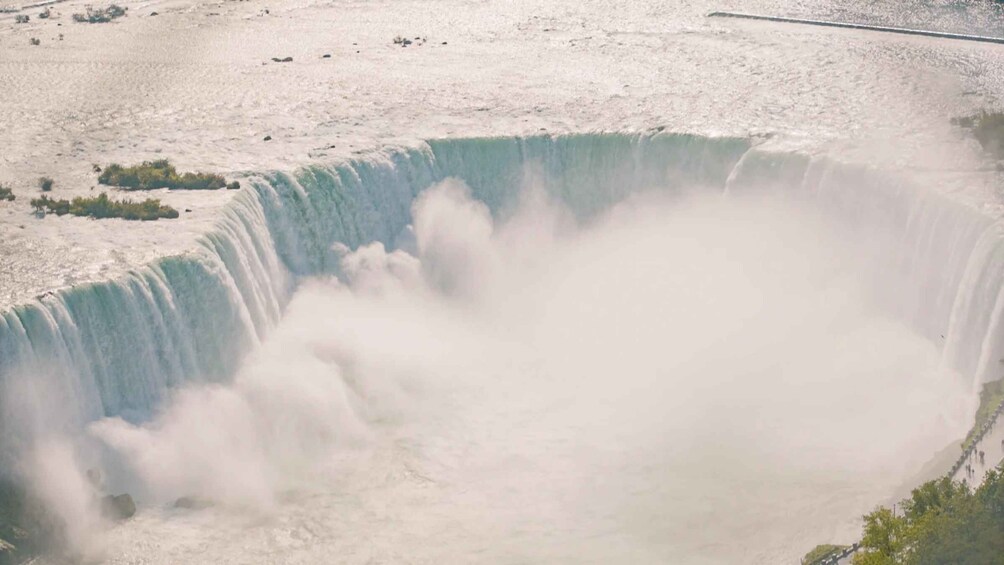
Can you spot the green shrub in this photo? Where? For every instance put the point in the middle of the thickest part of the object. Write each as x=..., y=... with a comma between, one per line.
x=45, y=204
x=103, y=207
x=100, y=15
x=158, y=174
x=6, y=194
x=45, y=183
x=821, y=552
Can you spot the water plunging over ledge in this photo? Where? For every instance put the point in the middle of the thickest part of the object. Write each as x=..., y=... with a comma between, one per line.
x=118, y=348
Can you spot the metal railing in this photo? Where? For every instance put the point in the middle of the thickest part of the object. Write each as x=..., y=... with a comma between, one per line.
x=846, y=25
x=987, y=426
x=835, y=558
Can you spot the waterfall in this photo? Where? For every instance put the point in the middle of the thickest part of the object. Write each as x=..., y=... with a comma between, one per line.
x=944, y=258
x=117, y=347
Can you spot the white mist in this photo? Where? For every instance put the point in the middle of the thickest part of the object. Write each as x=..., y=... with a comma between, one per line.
x=703, y=380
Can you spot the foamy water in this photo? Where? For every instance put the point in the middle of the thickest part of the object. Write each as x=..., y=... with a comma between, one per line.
x=697, y=382
x=615, y=347
x=676, y=378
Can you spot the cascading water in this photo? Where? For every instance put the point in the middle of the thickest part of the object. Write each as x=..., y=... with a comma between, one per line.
x=121, y=345
x=117, y=348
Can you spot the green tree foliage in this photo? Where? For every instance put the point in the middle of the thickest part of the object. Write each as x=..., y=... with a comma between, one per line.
x=884, y=537
x=943, y=522
x=158, y=174
x=821, y=552
x=103, y=207
x=6, y=194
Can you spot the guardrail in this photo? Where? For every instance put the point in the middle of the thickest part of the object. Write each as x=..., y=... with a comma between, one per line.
x=987, y=426
x=42, y=4
x=834, y=559
x=868, y=27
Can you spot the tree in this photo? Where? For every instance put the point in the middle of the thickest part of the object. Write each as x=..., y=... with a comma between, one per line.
x=883, y=541
x=943, y=522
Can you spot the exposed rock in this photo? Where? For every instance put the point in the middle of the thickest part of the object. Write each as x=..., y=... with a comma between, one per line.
x=192, y=503
x=121, y=507
x=12, y=542
x=23, y=525
x=8, y=553
x=94, y=477
x=100, y=15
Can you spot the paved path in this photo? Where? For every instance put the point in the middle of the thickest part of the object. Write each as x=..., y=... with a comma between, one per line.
x=992, y=446
x=991, y=443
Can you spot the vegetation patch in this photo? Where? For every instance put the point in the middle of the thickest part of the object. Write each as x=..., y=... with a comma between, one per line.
x=103, y=207
x=158, y=174
x=45, y=183
x=942, y=522
x=100, y=15
x=991, y=397
x=6, y=194
x=988, y=129
x=821, y=552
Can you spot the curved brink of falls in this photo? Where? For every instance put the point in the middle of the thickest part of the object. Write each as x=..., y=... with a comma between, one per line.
x=116, y=348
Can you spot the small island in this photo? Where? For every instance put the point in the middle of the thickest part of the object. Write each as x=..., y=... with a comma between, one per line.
x=103, y=207
x=152, y=175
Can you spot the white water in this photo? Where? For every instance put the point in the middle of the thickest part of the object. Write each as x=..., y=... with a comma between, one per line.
x=499, y=393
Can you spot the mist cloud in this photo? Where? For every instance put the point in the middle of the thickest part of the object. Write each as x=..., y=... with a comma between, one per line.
x=671, y=363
